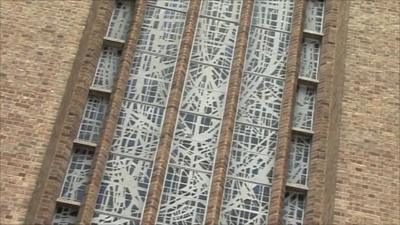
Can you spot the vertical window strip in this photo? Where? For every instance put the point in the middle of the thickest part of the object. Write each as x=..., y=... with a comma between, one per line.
x=303, y=117
x=107, y=68
x=120, y=20
x=314, y=16
x=127, y=175
x=247, y=189
x=188, y=177
x=299, y=159
x=294, y=206
x=77, y=176
x=309, y=61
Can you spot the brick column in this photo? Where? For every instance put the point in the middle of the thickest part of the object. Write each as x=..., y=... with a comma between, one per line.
x=55, y=163
x=285, y=123
x=323, y=156
x=111, y=120
x=171, y=114
x=228, y=120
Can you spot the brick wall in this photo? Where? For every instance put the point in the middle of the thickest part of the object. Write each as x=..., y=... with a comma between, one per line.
x=39, y=43
x=367, y=190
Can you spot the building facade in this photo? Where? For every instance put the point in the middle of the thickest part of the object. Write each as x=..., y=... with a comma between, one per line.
x=200, y=112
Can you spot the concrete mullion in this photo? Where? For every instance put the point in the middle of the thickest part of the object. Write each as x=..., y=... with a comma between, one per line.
x=285, y=123
x=167, y=132
x=228, y=121
x=114, y=107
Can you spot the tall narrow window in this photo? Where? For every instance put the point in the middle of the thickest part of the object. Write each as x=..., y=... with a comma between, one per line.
x=298, y=159
x=106, y=68
x=314, y=16
x=65, y=216
x=309, y=59
x=304, y=108
x=293, y=211
x=121, y=20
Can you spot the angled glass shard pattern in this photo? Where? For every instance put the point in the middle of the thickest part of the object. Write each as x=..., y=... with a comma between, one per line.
x=260, y=101
x=107, y=68
x=105, y=219
x=76, y=179
x=304, y=108
x=92, y=120
x=222, y=9
x=180, y=5
x=138, y=130
x=161, y=31
x=298, y=159
x=273, y=14
x=124, y=186
x=293, y=210
x=267, y=52
x=121, y=20
x=214, y=42
x=185, y=197
x=244, y=203
x=314, y=16
x=309, y=59
x=65, y=216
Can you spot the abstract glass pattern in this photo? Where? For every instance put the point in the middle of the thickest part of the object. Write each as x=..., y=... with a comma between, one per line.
x=138, y=130
x=273, y=14
x=309, y=59
x=314, y=16
x=121, y=20
x=65, y=216
x=214, y=42
x=244, y=203
x=260, y=101
x=124, y=186
x=185, y=197
x=150, y=79
x=106, y=219
x=107, y=68
x=293, y=209
x=298, y=160
x=304, y=108
x=161, y=31
x=222, y=9
x=267, y=52
x=93, y=117
x=77, y=176
x=179, y=5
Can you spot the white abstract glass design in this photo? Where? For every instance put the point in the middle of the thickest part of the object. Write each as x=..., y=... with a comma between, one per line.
x=77, y=176
x=138, y=130
x=124, y=186
x=107, y=68
x=205, y=89
x=293, y=209
x=195, y=142
x=120, y=20
x=314, y=16
x=273, y=14
x=253, y=154
x=185, y=197
x=298, y=160
x=214, y=42
x=180, y=5
x=106, y=219
x=267, y=52
x=150, y=79
x=244, y=203
x=260, y=101
x=310, y=59
x=304, y=108
x=222, y=9
x=93, y=117
x=65, y=216
x=161, y=31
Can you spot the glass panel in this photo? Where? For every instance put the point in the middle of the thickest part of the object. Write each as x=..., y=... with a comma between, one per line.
x=77, y=176
x=293, y=211
x=107, y=68
x=273, y=14
x=65, y=216
x=244, y=203
x=121, y=20
x=314, y=16
x=105, y=219
x=222, y=9
x=298, y=160
x=180, y=5
x=309, y=59
x=304, y=108
x=93, y=117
